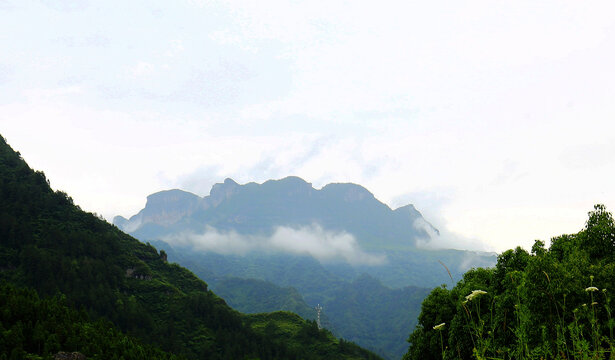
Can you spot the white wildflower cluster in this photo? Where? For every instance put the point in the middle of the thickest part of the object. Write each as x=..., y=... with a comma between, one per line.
x=439, y=326
x=591, y=288
x=474, y=294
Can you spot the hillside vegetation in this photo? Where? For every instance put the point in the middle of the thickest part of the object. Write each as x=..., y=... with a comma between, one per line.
x=362, y=309
x=259, y=296
x=51, y=247
x=551, y=303
x=35, y=328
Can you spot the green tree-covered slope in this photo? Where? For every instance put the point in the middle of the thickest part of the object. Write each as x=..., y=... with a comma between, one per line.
x=321, y=344
x=50, y=245
x=35, y=328
x=362, y=310
x=552, y=303
x=259, y=296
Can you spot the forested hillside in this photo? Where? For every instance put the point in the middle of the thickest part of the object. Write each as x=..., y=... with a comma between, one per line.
x=362, y=309
x=551, y=303
x=259, y=296
x=33, y=326
x=49, y=245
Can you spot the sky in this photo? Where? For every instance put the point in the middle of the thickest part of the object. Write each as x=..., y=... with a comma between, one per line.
x=494, y=118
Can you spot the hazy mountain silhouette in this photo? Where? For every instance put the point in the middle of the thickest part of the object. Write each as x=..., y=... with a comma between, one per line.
x=337, y=246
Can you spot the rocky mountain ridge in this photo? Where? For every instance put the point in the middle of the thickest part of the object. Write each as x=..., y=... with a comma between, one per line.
x=291, y=201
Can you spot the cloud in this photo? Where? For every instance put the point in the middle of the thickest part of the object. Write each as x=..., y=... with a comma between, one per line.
x=200, y=180
x=216, y=241
x=69, y=5
x=142, y=69
x=6, y=73
x=472, y=259
x=324, y=245
x=445, y=239
x=52, y=95
x=506, y=107
x=176, y=48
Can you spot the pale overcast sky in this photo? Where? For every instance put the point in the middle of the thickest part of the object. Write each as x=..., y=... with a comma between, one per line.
x=495, y=118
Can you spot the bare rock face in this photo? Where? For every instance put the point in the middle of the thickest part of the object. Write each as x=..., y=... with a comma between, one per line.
x=222, y=191
x=164, y=208
x=167, y=207
x=291, y=201
x=62, y=355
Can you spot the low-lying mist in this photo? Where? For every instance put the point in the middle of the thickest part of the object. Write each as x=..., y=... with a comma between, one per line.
x=324, y=245
x=445, y=239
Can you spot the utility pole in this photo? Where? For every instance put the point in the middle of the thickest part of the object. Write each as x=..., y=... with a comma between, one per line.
x=318, y=310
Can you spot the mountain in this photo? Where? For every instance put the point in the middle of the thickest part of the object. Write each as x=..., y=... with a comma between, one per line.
x=164, y=208
x=100, y=287
x=340, y=224
x=259, y=208
x=259, y=296
x=328, y=243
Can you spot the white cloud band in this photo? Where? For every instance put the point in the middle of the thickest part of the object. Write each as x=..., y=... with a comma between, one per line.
x=311, y=240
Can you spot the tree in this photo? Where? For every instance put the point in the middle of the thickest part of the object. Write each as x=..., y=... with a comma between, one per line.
x=599, y=234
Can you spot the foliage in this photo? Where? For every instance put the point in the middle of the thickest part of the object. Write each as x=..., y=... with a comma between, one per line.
x=548, y=304
x=31, y=326
x=363, y=310
x=259, y=296
x=297, y=334
x=50, y=245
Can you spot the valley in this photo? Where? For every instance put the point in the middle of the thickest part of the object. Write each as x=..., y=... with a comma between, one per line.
x=339, y=247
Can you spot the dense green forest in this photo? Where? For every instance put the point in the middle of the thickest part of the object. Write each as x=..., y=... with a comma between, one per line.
x=362, y=310
x=106, y=281
x=259, y=296
x=550, y=303
x=376, y=316
x=292, y=329
x=35, y=328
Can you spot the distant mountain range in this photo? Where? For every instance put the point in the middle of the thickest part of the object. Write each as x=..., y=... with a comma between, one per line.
x=336, y=246
x=291, y=202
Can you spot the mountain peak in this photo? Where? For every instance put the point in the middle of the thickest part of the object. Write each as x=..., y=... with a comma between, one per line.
x=289, y=181
x=350, y=192
x=170, y=201
x=293, y=180
x=170, y=196
x=291, y=201
x=230, y=182
x=163, y=208
x=222, y=191
x=120, y=221
x=290, y=185
x=408, y=209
